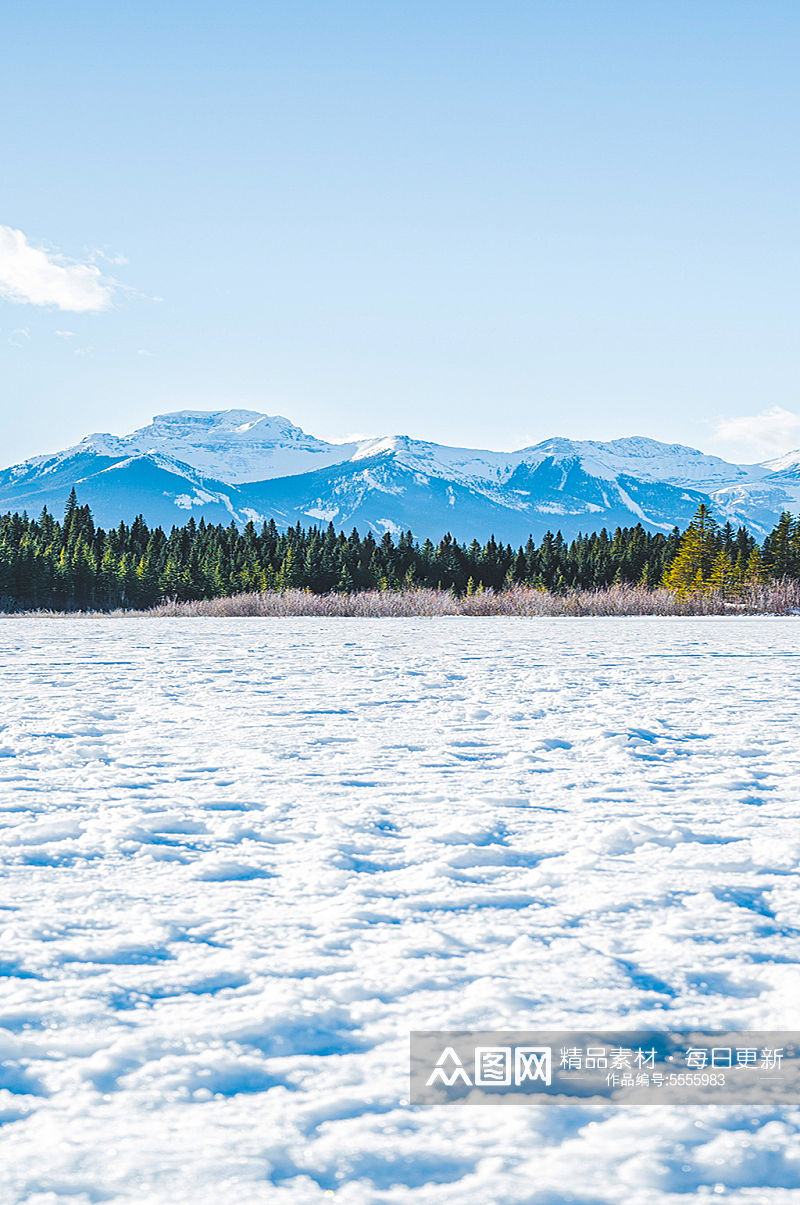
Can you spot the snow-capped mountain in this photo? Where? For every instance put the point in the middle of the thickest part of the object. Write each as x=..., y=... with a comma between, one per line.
x=235, y=445
x=236, y=465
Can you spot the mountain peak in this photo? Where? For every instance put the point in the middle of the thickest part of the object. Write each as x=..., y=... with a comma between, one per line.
x=789, y=463
x=646, y=458
x=233, y=445
x=233, y=422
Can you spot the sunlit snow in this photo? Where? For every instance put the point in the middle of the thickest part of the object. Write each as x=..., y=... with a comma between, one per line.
x=243, y=858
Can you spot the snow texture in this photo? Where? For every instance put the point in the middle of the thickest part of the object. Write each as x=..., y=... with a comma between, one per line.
x=243, y=858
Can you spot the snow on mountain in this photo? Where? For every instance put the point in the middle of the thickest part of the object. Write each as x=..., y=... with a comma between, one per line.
x=784, y=466
x=118, y=488
x=465, y=464
x=647, y=460
x=636, y=456
x=239, y=465
x=236, y=445
x=398, y=486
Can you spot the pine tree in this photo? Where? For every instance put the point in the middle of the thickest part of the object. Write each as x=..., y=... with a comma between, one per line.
x=690, y=571
x=722, y=578
x=778, y=547
x=756, y=569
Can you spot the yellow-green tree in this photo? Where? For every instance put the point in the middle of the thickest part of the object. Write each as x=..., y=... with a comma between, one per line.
x=695, y=563
x=722, y=579
x=756, y=569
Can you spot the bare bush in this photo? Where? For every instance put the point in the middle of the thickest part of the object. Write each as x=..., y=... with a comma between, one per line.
x=774, y=598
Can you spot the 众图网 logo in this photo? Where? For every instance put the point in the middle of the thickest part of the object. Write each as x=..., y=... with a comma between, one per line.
x=494, y=1066
x=592, y=1066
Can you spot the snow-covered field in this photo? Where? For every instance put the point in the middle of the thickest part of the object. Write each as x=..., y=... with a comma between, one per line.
x=243, y=858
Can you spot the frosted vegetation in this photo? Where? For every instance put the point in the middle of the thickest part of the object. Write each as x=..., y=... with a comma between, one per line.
x=779, y=598
x=243, y=858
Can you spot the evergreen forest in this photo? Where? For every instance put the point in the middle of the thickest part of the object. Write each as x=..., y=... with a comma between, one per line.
x=70, y=563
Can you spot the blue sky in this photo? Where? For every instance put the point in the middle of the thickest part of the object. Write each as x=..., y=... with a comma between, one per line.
x=480, y=223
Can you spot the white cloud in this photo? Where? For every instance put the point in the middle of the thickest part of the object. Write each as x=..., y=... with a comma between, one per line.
x=759, y=436
x=65, y=334
x=39, y=277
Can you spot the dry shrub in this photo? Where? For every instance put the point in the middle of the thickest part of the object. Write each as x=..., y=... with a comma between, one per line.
x=777, y=598
x=773, y=598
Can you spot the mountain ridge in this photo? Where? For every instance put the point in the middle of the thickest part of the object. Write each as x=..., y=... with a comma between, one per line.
x=241, y=465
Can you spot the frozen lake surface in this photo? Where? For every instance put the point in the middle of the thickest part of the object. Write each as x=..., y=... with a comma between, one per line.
x=243, y=858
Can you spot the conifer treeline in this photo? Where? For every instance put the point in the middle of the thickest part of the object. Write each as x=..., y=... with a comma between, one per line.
x=74, y=565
